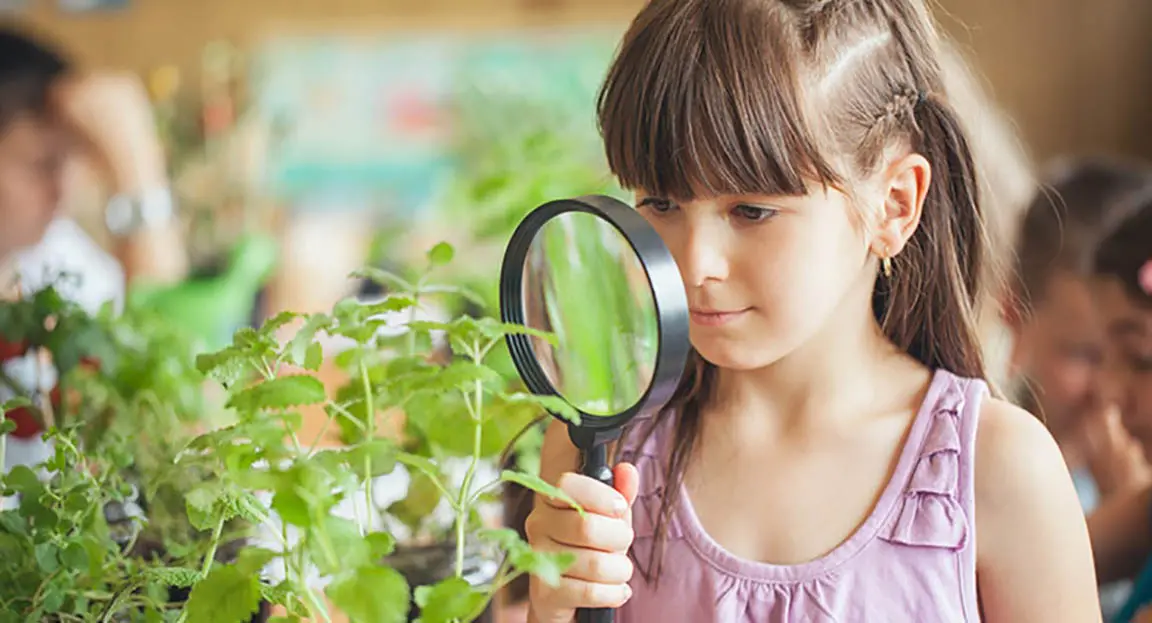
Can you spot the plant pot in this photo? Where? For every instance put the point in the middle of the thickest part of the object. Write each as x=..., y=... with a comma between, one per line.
x=429, y=564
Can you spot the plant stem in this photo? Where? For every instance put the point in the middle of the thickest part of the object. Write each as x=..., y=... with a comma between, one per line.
x=370, y=434
x=464, y=512
x=210, y=557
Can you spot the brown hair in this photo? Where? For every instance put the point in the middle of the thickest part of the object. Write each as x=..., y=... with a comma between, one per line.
x=27, y=70
x=1064, y=221
x=710, y=97
x=1125, y=250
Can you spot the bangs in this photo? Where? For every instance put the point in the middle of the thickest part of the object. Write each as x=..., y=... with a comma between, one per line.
x=701, y=101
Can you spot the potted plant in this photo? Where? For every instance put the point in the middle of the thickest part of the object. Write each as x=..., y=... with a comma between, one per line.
x=93, y=531
x=458, y=412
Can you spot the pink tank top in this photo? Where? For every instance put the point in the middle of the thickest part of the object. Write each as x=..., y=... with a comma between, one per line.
x=913, y=560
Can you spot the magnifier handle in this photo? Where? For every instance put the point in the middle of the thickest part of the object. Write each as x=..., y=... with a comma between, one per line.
x=596, y=467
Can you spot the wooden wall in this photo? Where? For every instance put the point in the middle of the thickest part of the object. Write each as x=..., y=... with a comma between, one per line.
x=1076, y=75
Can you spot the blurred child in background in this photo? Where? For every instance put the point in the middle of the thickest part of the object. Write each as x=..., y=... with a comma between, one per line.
x=51, y=117
x=1122, y=529
x=1059, y=342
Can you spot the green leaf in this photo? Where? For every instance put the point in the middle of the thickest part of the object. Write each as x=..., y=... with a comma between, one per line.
x=537, y=484
x=451, y=599
x=335, y=544
x=547, y=566
x=74, y=557
x=422, y=464
x=506, y=539
x=299, y=349
x=314, y=357
x=292, y=508
x=273, y=324
x=384, y=278
x=441, y=254
x=253, y=559
x=371, y=595
x=228, y=366
x=6, y=425
x=379, y=453
x=177, y=577
x=380, y=544
x=423, y=498
x=279, y=393
x=46, y=557
x=284, y=594
x=18, y=402
x=22, y=479
x=552, y=404
x=226, y=596
x=392, y=303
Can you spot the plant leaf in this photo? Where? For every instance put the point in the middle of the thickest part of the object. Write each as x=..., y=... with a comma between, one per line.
x=226, y=595
x=384, y=278
x=371, y=595
x=441, y=254
x=314, y=357
x=450, y=600
x=553, y=404
x=537, y=484
x=300, y=344
x=178, y=577
x=279, y=393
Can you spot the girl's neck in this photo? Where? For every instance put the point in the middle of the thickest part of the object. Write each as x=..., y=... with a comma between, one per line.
x=827, y=379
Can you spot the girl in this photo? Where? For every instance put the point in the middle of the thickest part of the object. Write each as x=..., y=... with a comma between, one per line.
x=823, y=461
x=1122, y=533
x=1059, y=341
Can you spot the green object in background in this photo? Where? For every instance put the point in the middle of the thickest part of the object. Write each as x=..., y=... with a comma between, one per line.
x=211, y=308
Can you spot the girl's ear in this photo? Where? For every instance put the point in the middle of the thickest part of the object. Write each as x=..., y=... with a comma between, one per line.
x=904, y=184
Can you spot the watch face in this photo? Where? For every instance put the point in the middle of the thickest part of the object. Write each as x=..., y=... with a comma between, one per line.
x=120, y=216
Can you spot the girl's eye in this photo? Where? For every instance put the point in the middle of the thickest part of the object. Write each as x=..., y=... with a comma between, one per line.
x=1142, y=364
x=754, y=214
x=659, y=206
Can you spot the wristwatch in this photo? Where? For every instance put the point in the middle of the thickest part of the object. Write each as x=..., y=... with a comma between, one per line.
x=128, y=213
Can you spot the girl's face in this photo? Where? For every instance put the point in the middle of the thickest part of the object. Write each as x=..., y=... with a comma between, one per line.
x=1059, y=350
x=763, y=273
x=1129, y=358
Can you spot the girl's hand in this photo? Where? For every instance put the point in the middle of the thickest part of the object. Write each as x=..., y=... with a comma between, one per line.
x=1114, y=456
x=600, y=541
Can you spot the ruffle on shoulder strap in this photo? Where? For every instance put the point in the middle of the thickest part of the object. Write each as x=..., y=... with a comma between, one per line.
x=929, y=513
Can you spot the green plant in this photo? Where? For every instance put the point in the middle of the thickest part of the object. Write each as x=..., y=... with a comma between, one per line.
x=460, y=408
x=92, y=532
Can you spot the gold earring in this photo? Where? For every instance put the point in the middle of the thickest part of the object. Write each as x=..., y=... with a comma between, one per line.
x=886, y=264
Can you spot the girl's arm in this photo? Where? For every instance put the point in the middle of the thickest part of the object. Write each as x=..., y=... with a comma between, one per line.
x=1033, y=557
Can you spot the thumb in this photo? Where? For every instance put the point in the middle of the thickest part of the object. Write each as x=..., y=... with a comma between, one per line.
x=626, y=479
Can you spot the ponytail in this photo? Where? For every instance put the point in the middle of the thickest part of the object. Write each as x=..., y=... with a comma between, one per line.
x=927, y=306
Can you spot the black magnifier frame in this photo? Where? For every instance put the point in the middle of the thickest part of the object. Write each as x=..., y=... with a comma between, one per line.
x=595, y=431
x=665, y=284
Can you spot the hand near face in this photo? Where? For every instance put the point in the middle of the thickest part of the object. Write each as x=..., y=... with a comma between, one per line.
x=112, y=115
x=1114, y=456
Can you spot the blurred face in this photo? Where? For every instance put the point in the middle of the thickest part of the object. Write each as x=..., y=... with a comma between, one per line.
x=763, y=274
x=1128, y=372
x=1060, y=349
x=32, y=154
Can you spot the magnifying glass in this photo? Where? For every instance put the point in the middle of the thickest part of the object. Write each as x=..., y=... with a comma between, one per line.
x=594, y=274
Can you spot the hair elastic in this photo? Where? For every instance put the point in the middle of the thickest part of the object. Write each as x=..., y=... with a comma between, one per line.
x=1144, y=277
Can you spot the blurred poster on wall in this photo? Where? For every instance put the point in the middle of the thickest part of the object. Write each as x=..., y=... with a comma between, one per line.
x=92, y=6
x=360, y=121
